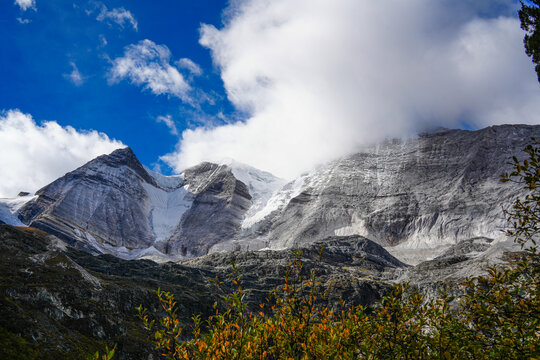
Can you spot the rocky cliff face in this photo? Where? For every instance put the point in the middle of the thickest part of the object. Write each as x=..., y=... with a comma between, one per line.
x=103, y=201
x=424, y=193
x=114, y=205
x=415, y=196
x=219, y=204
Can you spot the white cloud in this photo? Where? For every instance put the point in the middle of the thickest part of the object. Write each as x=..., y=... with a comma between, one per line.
x=103, y=40
x=118, y=16
x=31, y=155
x=319, y=78
x=189, y=65
x=26, y=4
x=75, y=75
x=23, y=21
x=168, y=121
x=148, y=64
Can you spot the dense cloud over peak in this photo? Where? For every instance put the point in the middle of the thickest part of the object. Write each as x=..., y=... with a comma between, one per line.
x=321, y=78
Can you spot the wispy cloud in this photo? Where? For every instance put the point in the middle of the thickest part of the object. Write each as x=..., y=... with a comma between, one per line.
x=103, y=40
x=75, y=75
x=23, y=21
x=119, y=16
x=148, y=64
x=26, y=4
x=318, y=79
x=189, y=65
x=168, y=121
x=32, y=155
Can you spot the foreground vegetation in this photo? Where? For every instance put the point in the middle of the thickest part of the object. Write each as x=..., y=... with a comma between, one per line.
x=497, y=317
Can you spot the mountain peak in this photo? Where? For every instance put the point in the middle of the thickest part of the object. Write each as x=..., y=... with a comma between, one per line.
x=125, y=151
x=124, y=157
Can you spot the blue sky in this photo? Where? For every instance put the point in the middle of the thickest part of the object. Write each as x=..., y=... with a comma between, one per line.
x=282, y=85
x=39, y=55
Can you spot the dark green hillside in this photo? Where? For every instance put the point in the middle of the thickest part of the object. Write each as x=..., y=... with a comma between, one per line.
x=63, y=305
x=59, y=302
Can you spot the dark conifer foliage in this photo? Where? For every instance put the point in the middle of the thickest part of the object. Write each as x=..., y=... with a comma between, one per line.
x=530, y=22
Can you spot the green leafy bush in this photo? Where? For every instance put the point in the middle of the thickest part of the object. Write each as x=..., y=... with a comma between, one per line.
x=108, y=355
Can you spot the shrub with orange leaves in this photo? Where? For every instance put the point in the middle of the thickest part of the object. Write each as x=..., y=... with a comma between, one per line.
x=496, y=318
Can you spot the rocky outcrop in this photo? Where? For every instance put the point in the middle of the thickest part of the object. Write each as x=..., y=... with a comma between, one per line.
x=465, y=260
x=63, y=303
x=102, y=200
x=416, y=196
x=467, y=247
x=114, y=205
x=349, y=268
x=426, y=192
x=219, y=204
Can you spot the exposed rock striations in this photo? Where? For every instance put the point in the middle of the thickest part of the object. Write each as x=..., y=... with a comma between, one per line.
x=416, y=196
x=114, y=205
x=103, y=200
x=427, y=192
x=219, y=204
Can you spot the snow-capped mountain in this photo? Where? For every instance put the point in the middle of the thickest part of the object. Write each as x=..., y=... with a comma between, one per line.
x=415, y=196
x=113, y=204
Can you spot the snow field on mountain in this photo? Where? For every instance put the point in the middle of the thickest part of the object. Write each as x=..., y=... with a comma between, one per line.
x=263, y=187
x=166, y=209
x=9, y=208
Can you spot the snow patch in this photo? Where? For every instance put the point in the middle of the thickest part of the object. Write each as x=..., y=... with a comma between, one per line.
x=166, y=182
x=262, y=185
x=277, y=200
x=9, y=207
x=166, y=209
x=281, y=196
x=150, y=253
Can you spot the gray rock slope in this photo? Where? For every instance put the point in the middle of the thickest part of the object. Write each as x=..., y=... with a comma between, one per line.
x=409, y=195
x=427, y=192
x=113, y=204
x=219, y=204
x=351, y=267
x=103, y=199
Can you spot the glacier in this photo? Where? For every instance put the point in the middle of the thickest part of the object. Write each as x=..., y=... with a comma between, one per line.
x=9, y=209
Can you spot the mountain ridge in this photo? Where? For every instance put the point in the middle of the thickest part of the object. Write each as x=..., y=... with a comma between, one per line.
x=420, y=195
